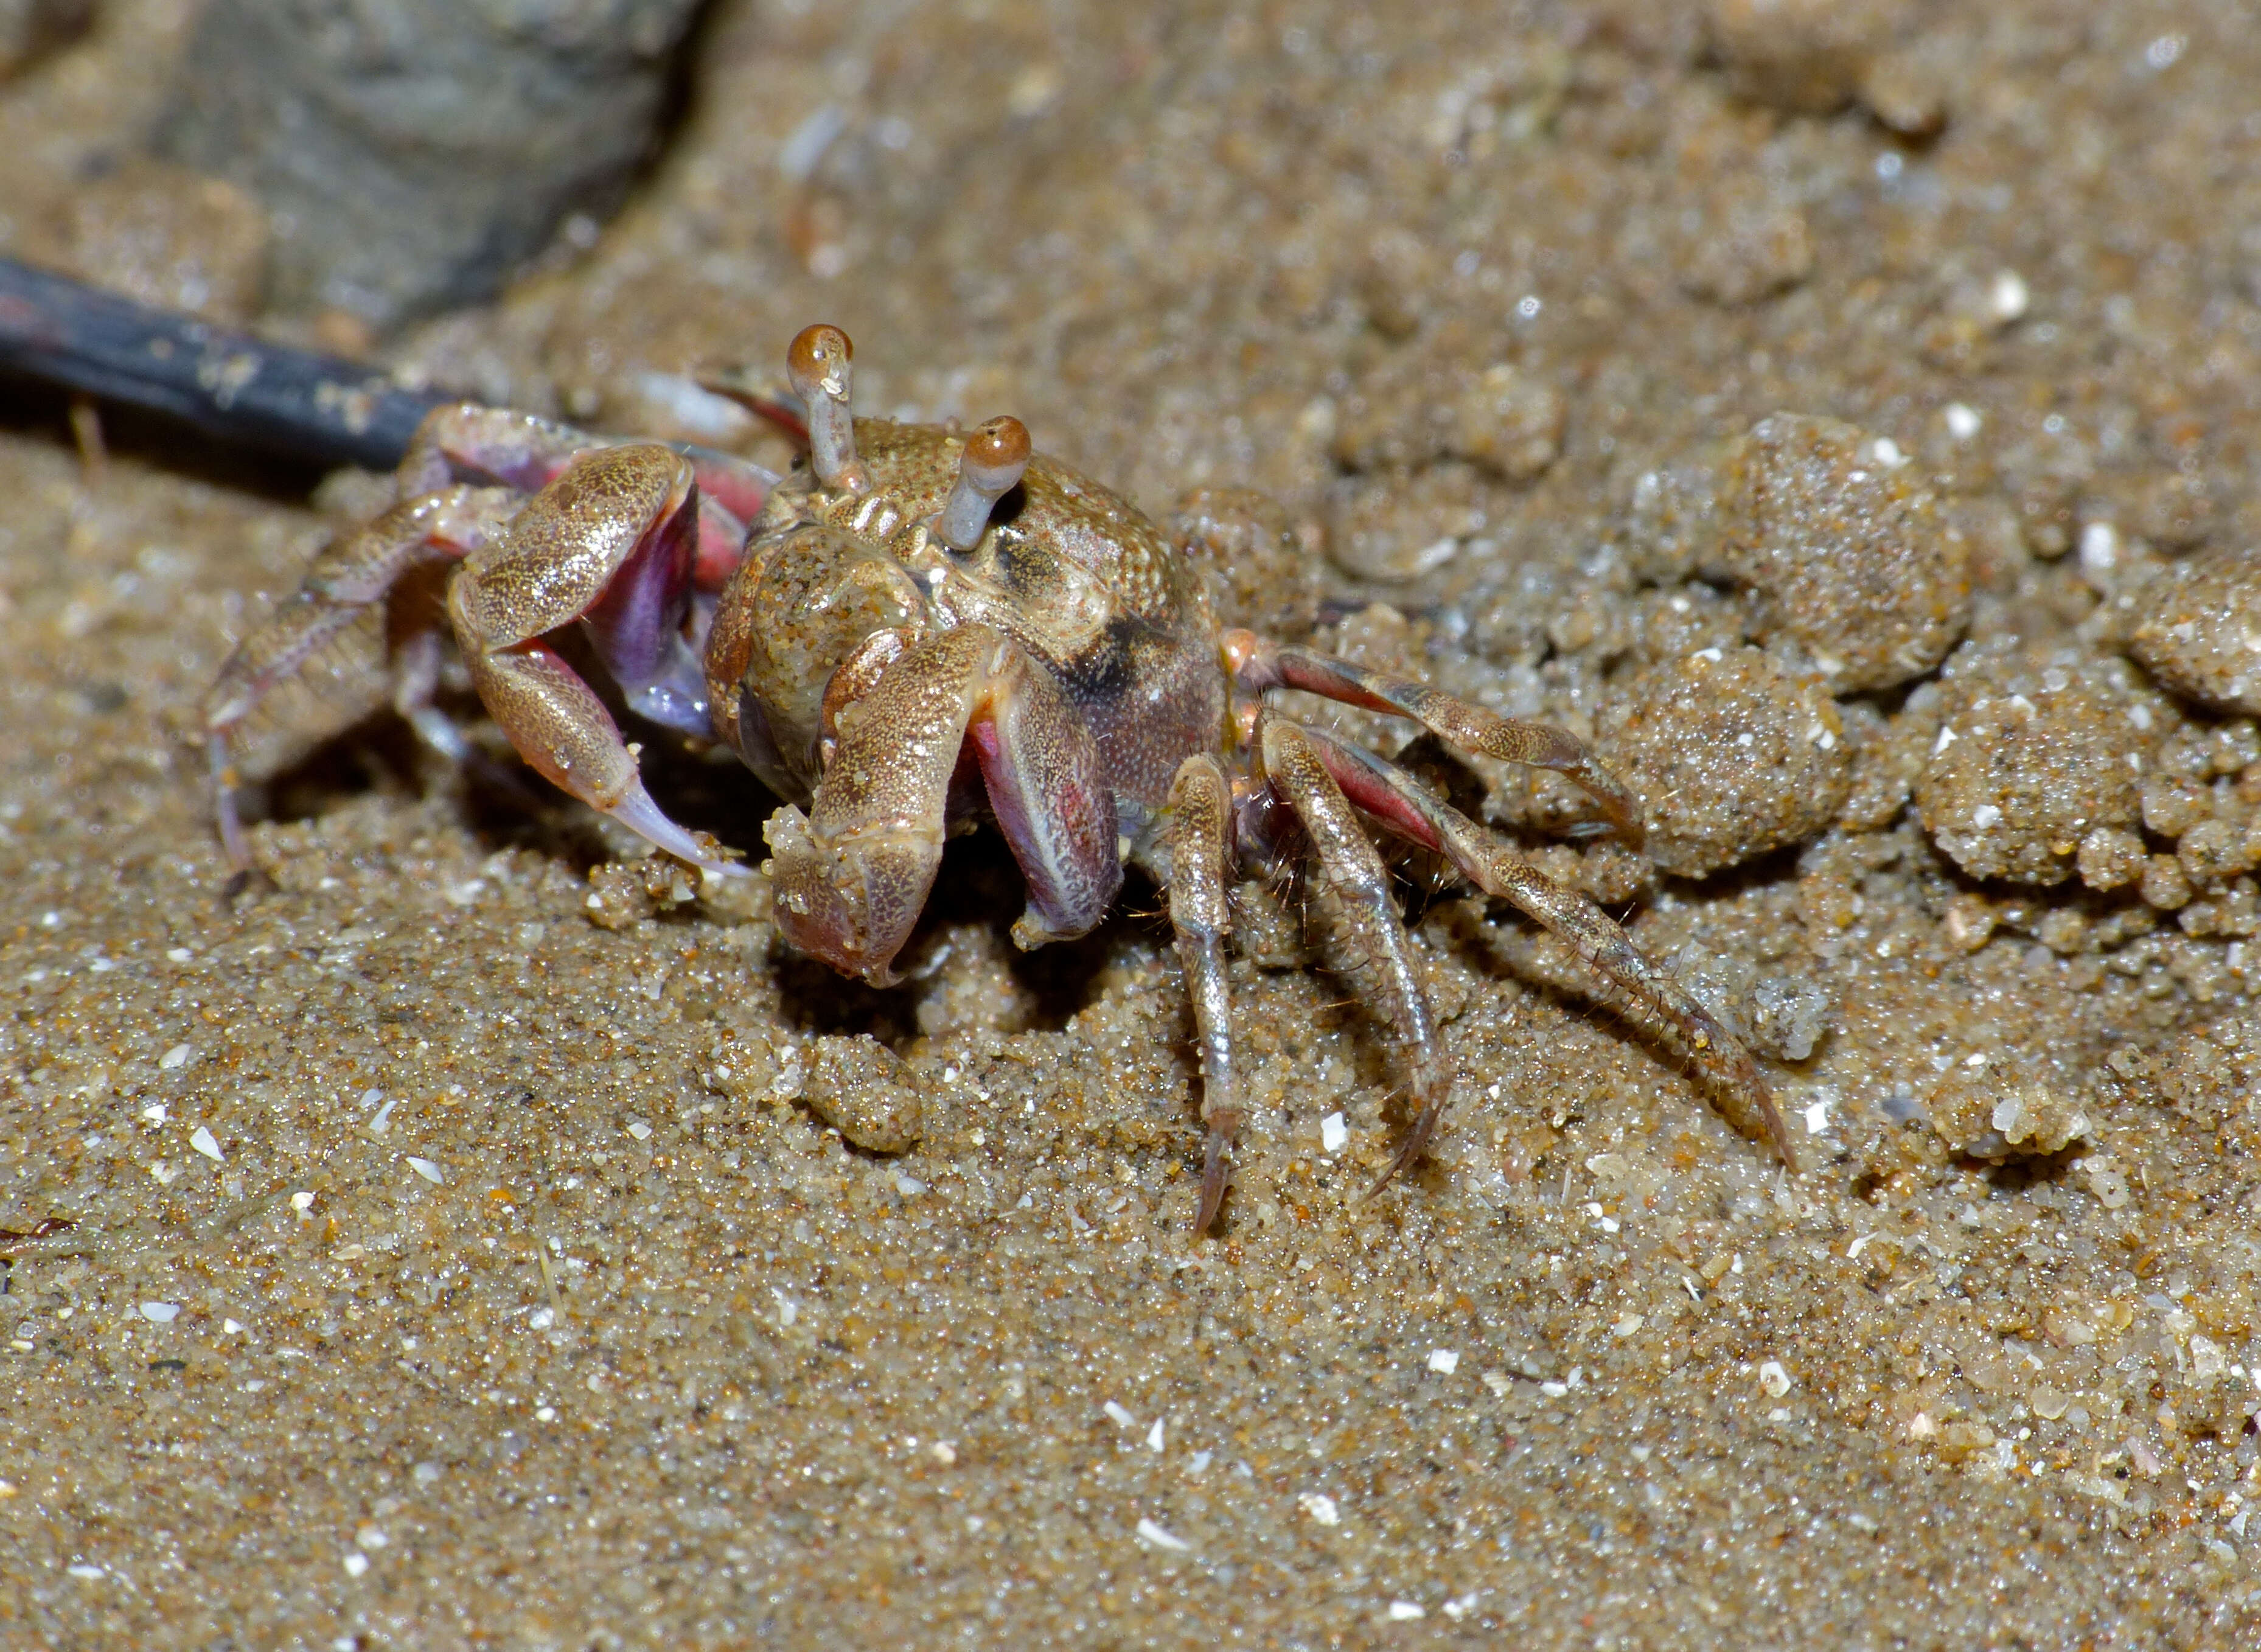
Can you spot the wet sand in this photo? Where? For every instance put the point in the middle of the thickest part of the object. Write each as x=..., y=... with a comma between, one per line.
x=459, y=1259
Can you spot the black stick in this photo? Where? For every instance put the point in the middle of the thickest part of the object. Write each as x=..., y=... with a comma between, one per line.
x=229, y=385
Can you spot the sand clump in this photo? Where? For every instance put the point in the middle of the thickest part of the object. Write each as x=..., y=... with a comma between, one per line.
x=1258, y=559
x=2033, y=754
x=1814, y=56
x=1730, y=756
x=1848, y=569
x=2198, y=628
x=1784, y=1017
x=1840, y=548
x=861, y=1087
x=1985, y=1115
x=1831, y=534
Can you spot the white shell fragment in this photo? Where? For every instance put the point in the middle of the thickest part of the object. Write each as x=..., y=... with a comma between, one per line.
x=1150, y=1533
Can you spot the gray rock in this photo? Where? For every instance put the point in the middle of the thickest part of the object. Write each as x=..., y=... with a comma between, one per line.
x=412, y=153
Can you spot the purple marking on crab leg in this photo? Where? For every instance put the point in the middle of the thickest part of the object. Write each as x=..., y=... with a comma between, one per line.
x=1354, y=771
x=637, y=626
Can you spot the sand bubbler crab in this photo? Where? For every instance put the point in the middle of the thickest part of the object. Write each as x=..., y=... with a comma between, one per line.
x=915, y=628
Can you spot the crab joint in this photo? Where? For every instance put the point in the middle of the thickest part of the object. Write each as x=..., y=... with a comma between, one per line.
x=818, y=366
x=990, y=468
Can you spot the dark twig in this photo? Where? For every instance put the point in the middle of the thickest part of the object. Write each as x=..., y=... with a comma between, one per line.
x=229, y=385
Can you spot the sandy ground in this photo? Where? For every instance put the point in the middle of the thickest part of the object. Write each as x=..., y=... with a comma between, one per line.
x=457, y=1258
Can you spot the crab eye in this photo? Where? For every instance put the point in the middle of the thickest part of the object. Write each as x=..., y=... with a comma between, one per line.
x=995, y=457
x=817, y=363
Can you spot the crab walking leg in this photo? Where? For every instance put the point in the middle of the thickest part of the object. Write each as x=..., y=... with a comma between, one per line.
x=416, y=665
x=608, y=542
x=348, y=576
x=1410, y=808
x=1199, y=850
x=1263, y=664
x=852, y=874
x=467, y=443
x=464, y=440
x=1384, y=972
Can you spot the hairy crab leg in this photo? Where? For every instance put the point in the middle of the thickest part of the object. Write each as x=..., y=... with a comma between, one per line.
x=852, y=874
x=609, y=541
x=1378, y=957
x=348, y=576
x=1406, y=806
x=1201, y=917
x=1259, y=665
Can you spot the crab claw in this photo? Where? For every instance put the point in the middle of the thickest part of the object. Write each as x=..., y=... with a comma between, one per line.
x=851, y=902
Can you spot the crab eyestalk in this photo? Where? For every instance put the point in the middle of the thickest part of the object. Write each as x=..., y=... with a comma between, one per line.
x=818, y=366
x=991, y=467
